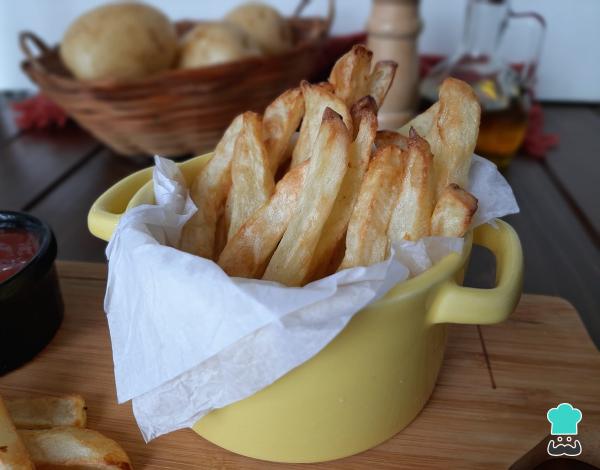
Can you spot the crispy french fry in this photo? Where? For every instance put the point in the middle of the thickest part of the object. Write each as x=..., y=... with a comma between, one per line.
x=451, y=127
x=328, y=164
x=453, y=212
x=351, y=73
x=13, y=453
x=47, y=412
x=381, y=80
x=412, y=215
x=364, y=116
x=249, y=250
x=385, y=138
x=280, y=121
x=252, y=180
x=71, y=447
x=209, y=193
x=316, y=99
x=367, y=240
x=422, y=123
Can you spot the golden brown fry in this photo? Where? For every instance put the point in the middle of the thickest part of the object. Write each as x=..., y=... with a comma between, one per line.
x=249, y=250
x=67, y=447
x=364, y=115
x=385, y=138
x=13, y=453
x=381, y=80
x=351, y=73
x=47, y=412
x=209, y=193
x=328, y=164
x=451, y=127
x=316, y=99
x=422, y=123
x=280, y=121
x=367, y=240
x=412, y=215
x=453, y=212
x=252, y=181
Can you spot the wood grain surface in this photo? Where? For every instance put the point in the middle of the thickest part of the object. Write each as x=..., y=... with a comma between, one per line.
x=76, y=195
x=560, y=258
x=488, y=410
x=574, y=164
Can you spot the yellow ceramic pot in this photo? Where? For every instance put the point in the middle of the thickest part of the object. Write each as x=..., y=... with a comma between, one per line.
x=376, y=376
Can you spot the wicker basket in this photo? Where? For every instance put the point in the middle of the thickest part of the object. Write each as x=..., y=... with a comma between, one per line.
x=176, y=112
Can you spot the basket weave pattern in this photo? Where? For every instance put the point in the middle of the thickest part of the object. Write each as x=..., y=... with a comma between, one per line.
x=176, y=112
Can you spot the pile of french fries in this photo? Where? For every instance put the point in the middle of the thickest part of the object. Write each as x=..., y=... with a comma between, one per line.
x=50, y=433
x=293, y=210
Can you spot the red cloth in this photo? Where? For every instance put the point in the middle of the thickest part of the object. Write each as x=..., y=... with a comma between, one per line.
x=38, y=112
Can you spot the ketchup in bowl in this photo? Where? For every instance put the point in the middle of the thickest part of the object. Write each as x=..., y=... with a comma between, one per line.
x=31, y=306
x=17, y=248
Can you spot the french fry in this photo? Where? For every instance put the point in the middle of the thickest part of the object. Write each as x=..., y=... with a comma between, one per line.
x=381, y=80
x=364, y=117
x=453, y=212
x=249, y=250
x=280, y=121
x=252, y=180
x=367, y=240
x=209, y=193
x=422, y=123
x=13, y=453
x=450, y=126
x=385, y=138
x=412, y=215
x=67, y=447
x=328, y=164
x=350, y=75
x=47, y=412
x=316, y=99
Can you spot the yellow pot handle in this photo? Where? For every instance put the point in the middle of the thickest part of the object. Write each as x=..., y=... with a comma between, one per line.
x=456, y=304
x=105, y=213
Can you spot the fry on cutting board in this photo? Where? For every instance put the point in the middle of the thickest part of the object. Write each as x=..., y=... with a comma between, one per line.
x=364, y=117
x=13, y=453
x=326, y=169
x=209, y=193
x=316, y=99
x=248, y=251
x=367, y=239
x=453, y=212
x=46, y=412
x=71, y=447
x=411, y=216
x=252, y=180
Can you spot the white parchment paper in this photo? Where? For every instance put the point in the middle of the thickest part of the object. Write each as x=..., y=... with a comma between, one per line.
x=188, y=339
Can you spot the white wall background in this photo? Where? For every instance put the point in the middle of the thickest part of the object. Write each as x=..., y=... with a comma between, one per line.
x=569, y=67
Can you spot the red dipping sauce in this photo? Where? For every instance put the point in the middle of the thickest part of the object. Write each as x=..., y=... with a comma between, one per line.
x=17, y=248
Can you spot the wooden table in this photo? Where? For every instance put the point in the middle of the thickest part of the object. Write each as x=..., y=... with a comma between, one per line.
x=488, y=410
x=56, y=175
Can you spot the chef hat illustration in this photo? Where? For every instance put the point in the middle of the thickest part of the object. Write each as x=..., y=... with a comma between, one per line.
x=564, y=419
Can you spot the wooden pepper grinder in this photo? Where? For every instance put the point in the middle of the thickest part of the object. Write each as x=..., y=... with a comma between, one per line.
x=392, y=29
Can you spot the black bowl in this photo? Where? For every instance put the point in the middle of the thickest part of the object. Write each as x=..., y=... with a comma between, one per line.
x=31, y=306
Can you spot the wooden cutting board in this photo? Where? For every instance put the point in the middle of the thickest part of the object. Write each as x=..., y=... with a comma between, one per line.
x=488, y=410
